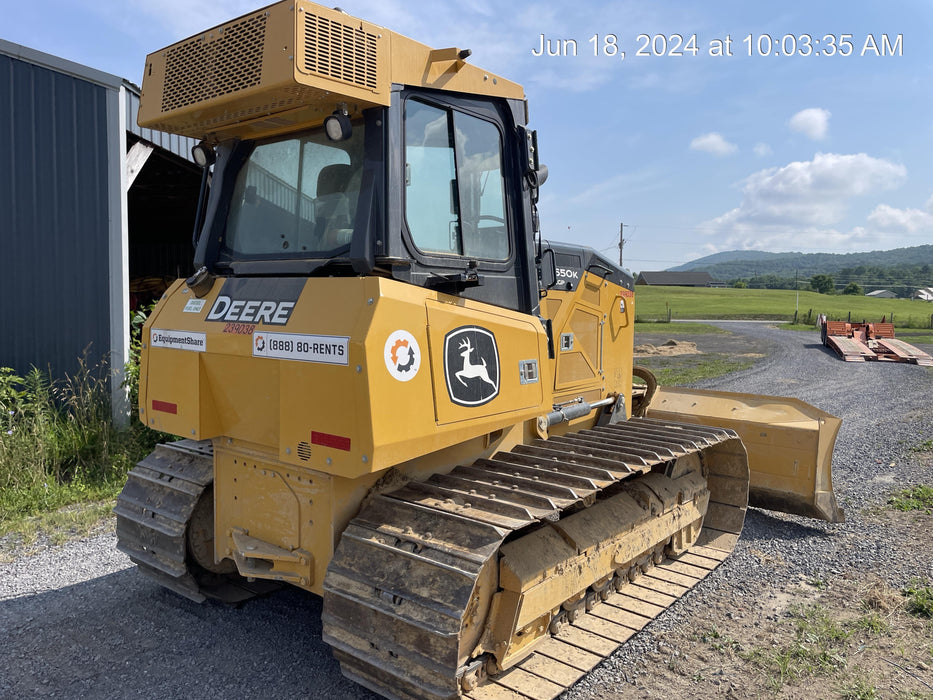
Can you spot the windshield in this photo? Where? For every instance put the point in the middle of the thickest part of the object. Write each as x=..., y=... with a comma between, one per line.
x=295, y=198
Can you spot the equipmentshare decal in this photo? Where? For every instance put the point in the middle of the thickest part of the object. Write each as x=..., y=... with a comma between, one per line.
x=402, y=355
x=179, y=340
x=325, y=349
x=471, y=365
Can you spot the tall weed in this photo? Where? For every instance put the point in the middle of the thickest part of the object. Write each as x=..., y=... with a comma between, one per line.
x=58, y=443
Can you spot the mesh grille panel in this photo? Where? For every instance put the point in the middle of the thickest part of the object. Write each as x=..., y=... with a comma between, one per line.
x=199, y=70
x=339, y=51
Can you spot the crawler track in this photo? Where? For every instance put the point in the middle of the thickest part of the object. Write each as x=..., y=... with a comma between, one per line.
x=411, y=588
x=161, y=502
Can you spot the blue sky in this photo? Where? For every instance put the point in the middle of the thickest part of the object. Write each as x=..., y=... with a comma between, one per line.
x=694, y=153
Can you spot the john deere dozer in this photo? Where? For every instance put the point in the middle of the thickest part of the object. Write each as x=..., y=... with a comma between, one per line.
x=395, y=395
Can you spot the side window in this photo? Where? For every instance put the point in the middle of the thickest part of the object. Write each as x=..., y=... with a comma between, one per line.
x=482, y=190
x=430, y=180
x=454, y=188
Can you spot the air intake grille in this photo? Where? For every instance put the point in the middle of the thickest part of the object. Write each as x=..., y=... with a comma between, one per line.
x=340, y=52
x=200, y=69
x=304, y=451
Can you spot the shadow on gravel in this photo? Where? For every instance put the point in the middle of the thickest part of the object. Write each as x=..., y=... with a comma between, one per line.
x=762, y=525
x=120, y=636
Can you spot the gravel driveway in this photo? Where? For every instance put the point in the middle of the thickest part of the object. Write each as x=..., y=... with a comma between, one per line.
x=78, y=621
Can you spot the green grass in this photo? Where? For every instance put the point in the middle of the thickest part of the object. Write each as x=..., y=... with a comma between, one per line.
x=58, y=444
x=57, y=527
x=915, y=337
x=919, y=595
x=687, y=369
x=662, y=327
x=653, y=303
x=915, y=498
x=873, y=623
x=818, y=648
x=858, y=687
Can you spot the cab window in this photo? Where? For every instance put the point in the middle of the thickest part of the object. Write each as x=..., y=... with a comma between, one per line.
x=295, y=197
x=454, y=186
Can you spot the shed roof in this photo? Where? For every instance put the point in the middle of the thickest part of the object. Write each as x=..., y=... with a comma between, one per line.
x=675, y=279
x=179, y=145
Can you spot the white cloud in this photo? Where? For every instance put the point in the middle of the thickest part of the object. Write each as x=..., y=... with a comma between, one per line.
x=813, y=122
x=911, y=221
x=762, y=150
x=713, y=143
x=802, y=202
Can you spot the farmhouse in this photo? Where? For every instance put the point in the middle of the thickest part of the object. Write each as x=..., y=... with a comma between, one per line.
x=925, y=294
x=882, y=294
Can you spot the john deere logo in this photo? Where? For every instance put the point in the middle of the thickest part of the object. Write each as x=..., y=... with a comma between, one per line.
x=471, y=366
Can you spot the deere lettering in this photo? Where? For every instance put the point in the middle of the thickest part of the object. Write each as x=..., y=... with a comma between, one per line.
x=274, y=313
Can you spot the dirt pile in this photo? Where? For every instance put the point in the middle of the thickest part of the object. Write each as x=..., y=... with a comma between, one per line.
x=671, y=347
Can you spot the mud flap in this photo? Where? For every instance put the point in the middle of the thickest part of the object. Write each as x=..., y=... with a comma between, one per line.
x=789, y=443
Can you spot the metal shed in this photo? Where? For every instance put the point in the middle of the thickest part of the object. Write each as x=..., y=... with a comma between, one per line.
x=95, y=214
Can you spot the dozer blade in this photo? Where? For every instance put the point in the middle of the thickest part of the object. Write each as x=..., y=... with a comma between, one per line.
x=789, y=444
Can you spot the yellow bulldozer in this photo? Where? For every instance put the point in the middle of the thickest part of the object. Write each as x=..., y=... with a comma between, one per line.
x=394, y=394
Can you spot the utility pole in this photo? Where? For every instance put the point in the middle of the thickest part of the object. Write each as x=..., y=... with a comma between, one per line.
x=797, y=290
x=622, y=228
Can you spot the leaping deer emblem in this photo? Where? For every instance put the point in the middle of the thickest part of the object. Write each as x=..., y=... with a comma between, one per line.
x=471, y=371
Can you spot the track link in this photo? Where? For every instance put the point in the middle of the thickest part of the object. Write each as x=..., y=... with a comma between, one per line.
x=156, y=512
x=404, y=593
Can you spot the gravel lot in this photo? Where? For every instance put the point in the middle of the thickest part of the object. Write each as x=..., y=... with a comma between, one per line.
x=77, y=621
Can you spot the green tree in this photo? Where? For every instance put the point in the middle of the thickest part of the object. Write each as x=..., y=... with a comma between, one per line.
x=740, y=284
x=823, y=284
x=853, y=289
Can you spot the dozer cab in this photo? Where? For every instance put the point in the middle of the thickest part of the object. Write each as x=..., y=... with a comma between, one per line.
x=393, y=394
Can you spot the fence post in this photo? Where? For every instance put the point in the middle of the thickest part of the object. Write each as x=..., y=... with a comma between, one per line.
x=850, y=318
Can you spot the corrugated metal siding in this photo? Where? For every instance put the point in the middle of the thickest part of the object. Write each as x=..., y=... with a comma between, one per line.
x=179, y=145
x=54, y=218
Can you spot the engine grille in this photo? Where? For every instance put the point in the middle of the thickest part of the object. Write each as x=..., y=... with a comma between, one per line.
x=202, y=69
x=339, y=51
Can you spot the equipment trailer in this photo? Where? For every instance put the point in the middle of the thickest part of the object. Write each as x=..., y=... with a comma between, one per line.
x=858, y=342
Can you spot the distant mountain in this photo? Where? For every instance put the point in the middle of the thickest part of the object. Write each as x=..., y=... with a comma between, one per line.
x=727, y=256
x=744, y=264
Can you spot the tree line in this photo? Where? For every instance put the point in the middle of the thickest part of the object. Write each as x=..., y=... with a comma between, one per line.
x=902, y=280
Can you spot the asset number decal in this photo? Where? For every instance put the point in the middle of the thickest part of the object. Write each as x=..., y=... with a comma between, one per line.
x=326, y=349
x=179, y=340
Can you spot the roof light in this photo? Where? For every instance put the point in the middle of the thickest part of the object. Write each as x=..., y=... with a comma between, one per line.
x=337, y=126
x=203, y=155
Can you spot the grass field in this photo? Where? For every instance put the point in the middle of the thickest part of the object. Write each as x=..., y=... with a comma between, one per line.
x=682, y=328
x=659, y=303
